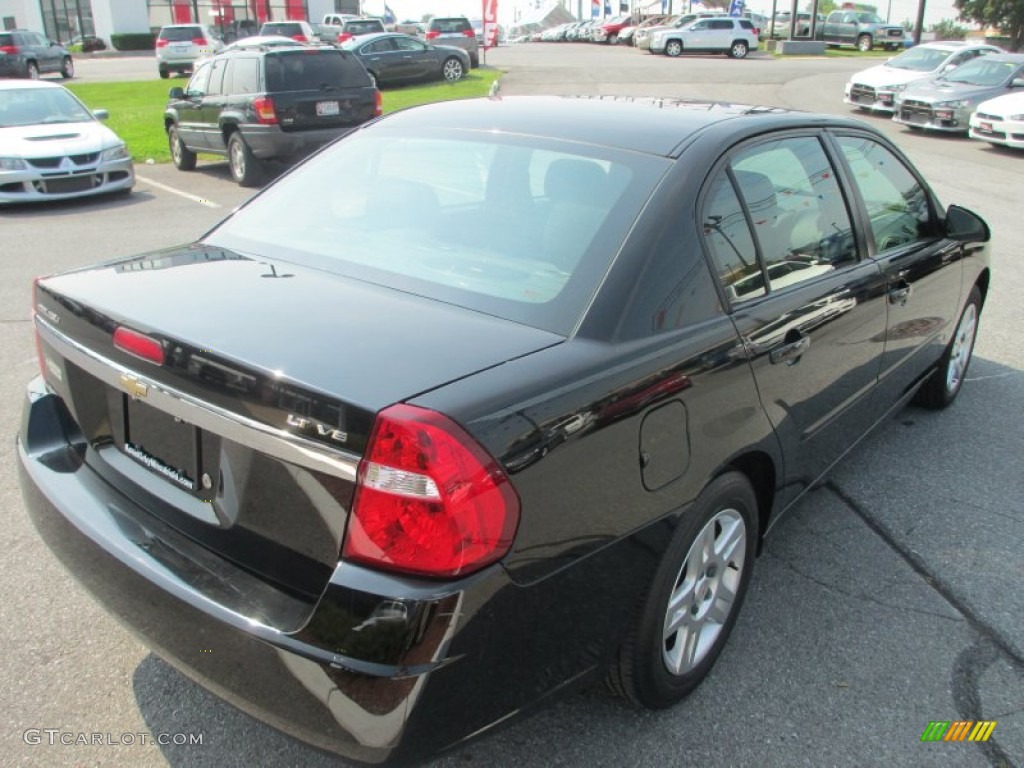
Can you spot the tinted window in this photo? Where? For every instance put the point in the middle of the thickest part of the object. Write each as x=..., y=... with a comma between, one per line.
x=895, y=200
x=799, y=215
x=312, y=68
x=379, y=46
x=245, y=76
x=364, y=27
x=407, y=44
x=180, y=34
x=449, y=26
x=217, y=78
x=199, y=81
x=728, y=238
x=284, y=29
x=6, y=39
x=721, y=24
x=491, y=223
x=746, y=24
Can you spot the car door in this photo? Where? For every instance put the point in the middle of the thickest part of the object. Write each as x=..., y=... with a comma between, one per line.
x=720, y=34
x=807, y=302
x=922, y=268
x=418, y=60
x=190, y=118
x=213, y=104
x=697, y=36
x=382, y=59
x=48, y=53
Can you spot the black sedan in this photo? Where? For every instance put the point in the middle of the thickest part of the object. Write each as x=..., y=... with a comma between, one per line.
x=388, y=462
x=396, y=58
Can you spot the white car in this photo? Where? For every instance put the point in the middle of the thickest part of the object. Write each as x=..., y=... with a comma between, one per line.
x=180, y=46
x=1000, y=121
x=53, y=148
x=875, y=89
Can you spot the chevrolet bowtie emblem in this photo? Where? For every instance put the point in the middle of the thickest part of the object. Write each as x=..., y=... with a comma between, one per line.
x=133, y=386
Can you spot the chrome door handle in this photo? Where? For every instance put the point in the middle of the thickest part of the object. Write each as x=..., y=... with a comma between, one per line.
x=790, y=353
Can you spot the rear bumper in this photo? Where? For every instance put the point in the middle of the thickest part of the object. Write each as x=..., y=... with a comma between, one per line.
x=13, y=66
x=352, y=680
x=270, y=142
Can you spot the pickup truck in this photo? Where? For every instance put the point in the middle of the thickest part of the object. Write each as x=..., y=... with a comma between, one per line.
x=861, y=29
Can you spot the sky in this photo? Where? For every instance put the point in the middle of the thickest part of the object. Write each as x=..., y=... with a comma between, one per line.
x=935, y=10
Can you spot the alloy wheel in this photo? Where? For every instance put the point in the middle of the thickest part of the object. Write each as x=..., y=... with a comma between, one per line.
x=704, y=595
x=963, y=346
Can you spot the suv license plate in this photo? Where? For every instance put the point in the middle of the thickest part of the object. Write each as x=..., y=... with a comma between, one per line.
x=324, y=108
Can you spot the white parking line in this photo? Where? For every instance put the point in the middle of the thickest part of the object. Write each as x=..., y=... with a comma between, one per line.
x=178, y=192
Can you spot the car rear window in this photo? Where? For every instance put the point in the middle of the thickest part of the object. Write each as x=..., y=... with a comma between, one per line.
x=281, y=28
x=449, y=26
x=6, y=39
x=181, y=34
x=364, y=27
x=495, y=223
x=312, y=69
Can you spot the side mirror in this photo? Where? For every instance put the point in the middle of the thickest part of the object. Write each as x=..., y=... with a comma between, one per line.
x=966, y=226
x=100, y=114
x=176, y=93
x=1018, y=82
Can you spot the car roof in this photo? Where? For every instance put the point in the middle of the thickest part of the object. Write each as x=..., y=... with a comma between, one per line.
x=18, y=85
x=652, y=126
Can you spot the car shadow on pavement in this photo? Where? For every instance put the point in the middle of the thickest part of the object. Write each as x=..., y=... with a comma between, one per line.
x=846, y=647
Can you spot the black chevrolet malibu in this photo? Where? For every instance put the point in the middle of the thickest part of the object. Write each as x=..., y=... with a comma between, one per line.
x=506, y=411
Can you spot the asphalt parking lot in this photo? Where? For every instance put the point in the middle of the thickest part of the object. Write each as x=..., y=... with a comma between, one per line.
x=889, y=598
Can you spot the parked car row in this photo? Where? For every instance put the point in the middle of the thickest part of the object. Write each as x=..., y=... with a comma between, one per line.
x=972, y=89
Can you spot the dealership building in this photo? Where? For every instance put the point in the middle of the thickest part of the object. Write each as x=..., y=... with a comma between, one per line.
x=64, y=20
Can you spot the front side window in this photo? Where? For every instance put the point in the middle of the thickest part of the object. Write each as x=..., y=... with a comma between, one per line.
x=198, y=83
x=408, y=44
x=896, y=202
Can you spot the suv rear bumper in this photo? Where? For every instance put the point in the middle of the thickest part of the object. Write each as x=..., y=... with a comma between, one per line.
x=352, y=680
x=269, y=142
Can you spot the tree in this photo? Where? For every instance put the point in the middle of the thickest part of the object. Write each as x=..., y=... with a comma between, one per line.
x=1007, y=15
x=947, y=29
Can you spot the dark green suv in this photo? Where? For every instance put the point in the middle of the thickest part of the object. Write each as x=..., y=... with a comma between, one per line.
x=268, y=103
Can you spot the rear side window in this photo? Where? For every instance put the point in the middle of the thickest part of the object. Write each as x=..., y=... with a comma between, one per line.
x=312, y=69
x=283, y=29
x=180, y=34
x=244, y=76
x=746, y=24
x=720, y=24
x=6, y=40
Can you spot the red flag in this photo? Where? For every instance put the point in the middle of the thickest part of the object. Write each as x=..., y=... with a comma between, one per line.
x=490, y=13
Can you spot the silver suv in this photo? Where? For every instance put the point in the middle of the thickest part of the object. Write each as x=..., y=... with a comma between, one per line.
x=179, y=46
x=457, y=32
x=721, y=34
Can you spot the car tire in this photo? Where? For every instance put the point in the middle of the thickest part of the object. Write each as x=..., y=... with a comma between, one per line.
x=613, y=40
x=865, y=43
x=739, y=50
x=67, y=68
x=246, y=169
x=164, y=73
x=32, y=71
x=694, y=597
x=184, y=159
x=452, y=70
x=945, y=383
x=673, y=48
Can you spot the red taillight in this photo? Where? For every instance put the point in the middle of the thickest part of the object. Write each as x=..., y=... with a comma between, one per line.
x=300, y=38
x=11, y=49
x=264, y=109
x=344, y=36
x=469, y=32
x=433, y=34
x=140, y=345
x=199, y=41
x=429, y=500
x=161, y=43
x=378, y=104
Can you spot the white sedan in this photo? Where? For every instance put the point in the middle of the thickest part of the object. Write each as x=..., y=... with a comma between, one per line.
x=1000, y=120
x=53, y=148
x=876, y=88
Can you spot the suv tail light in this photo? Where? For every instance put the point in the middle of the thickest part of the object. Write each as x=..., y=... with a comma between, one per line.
x=11, y=49
x=300, y=38
x=469, y=32
x=378, y=103
x=433, y=34
x=263, y=106
x=161, y=43
x=344, y=37
x=429, y=499
x=199, y=41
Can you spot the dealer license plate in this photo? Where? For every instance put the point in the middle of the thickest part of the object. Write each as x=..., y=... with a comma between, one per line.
x=325, y=108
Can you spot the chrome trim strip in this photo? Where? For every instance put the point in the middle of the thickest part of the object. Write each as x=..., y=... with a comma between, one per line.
x=266, y=439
